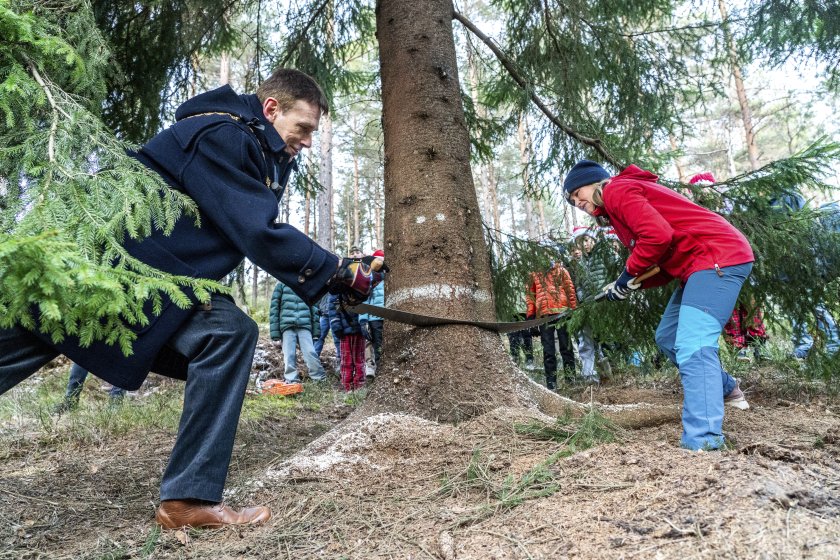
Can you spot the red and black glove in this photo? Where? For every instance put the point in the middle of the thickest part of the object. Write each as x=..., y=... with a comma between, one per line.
x=355, y=279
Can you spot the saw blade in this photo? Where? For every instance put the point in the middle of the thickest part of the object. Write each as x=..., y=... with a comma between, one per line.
x=419, y=320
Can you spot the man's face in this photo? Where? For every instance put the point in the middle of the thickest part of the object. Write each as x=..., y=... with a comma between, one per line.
x=294, y=125
x=356, y=254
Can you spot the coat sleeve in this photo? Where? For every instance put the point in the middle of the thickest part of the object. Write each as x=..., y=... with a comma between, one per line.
x=315, y=317
x=569, y=288
x=530, y=298
x=274, y=310
x=652, y=233
x=225, y=178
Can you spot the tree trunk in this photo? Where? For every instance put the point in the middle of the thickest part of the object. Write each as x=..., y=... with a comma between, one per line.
x=224, y=69
x=325, y=197
x=433, y=235
x=746, y=114
x=377, y=215
x=357, y=235
x=307, y=203
x=525, y=159
x=255, y=283
x=677, y=162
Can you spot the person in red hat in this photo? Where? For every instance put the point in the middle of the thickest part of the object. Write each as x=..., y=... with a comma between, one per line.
x=710, y=257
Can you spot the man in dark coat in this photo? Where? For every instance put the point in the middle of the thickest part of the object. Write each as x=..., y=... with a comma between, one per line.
x=232, y=154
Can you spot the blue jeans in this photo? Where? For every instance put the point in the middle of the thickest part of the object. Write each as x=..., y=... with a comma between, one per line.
x=78, y=374
x=688, y=334
x=803, y=341
x=291, y=339
x=325, y=330
x=215, y=348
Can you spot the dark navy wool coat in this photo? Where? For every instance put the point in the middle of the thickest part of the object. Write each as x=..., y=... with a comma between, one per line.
x=223, y=154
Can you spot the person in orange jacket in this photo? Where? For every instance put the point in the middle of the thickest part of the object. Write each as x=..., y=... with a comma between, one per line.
x=549, y=293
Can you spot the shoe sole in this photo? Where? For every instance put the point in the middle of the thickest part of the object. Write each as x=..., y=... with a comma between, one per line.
x=740, y=404
x=166, y=522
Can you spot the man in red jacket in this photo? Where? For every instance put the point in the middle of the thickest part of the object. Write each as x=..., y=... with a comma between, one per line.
x=550, y=293
x=709, y=256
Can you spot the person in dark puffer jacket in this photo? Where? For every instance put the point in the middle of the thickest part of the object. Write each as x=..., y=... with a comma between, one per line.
x=345, y=324
x=294, y=322
x=589, y=272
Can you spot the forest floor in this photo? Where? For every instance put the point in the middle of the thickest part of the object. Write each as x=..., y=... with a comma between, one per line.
x=85, y=484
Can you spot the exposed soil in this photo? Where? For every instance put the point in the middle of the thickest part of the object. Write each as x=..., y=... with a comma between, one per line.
x=397, y=486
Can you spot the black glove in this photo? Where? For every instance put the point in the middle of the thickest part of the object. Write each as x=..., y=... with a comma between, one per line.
x=355, y=279
x=622, y=287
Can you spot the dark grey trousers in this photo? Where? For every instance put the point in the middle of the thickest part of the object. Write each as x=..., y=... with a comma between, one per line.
x=218, y=348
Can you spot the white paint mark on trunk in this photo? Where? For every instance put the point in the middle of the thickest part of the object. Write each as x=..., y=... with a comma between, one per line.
x=421, y=219
x=440, y=217
x=437, y=292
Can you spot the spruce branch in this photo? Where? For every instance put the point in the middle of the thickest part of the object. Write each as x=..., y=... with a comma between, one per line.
x=514, y=73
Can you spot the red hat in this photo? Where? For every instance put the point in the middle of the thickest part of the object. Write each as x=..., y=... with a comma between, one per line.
x=580, y=231
x=379, y=253
x=702, y=179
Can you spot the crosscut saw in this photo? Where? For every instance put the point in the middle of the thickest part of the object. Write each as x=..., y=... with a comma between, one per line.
x=420, y=320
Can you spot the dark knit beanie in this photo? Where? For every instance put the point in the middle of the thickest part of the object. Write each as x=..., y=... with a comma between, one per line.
x=584, y=173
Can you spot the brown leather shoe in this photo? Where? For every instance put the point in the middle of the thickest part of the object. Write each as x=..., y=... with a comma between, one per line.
x=174, y=514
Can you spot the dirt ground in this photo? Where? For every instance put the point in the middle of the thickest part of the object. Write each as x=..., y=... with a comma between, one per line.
x=396, y=486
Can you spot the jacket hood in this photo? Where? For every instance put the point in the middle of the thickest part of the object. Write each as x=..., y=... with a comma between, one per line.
x=637, y=174
x=219, y=100
x=225, y=100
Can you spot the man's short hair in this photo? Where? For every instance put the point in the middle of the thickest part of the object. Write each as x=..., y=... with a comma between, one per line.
x=288, y=85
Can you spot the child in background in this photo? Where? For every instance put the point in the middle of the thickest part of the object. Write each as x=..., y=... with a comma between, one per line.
x=345, y=324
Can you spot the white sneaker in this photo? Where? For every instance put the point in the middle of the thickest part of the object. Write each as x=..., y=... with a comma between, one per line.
x=736, y=398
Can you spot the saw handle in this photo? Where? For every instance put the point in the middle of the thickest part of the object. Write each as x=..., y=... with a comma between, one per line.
x=652, y=271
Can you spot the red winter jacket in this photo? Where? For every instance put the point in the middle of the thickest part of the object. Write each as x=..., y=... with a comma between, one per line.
x=662, y=227
x=550, y=293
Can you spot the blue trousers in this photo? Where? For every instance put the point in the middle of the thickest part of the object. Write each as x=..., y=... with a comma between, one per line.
x=803, y=341
x=325, y=330
x=688, y=334
x=303, y=337
x=217, y=348
x=76, y=383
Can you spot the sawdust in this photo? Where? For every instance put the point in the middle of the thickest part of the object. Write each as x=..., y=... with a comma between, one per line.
x=400, y=486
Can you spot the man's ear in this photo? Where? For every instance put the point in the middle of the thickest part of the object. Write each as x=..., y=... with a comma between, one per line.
x=270, y=109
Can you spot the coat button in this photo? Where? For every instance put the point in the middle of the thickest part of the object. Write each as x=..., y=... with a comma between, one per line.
x=301, y=279
x=308, y=272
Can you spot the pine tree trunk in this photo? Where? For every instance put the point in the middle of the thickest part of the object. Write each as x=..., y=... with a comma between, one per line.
x=357, y=235
x=377, y=215
x=224, y=69
x=743, y=102
x=525, y=159
x=433, y=234
x=677, y=163
x=325, y=197
x=255, y=284
x=307, y=202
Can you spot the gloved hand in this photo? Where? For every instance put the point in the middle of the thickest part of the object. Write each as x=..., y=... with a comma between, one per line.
x=355, y=279
x=622, y=287
x=365, y=331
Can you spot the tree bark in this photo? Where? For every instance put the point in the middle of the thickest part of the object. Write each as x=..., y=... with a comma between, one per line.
x=743, y=102
x=224, y=69
x=433, y=234
x=525, y=158
x=356, y=236
x=325, y=197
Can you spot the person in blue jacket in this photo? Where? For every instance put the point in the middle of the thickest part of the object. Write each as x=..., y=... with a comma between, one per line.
x=233, y=155
x=372, y=325
x=294, y=323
